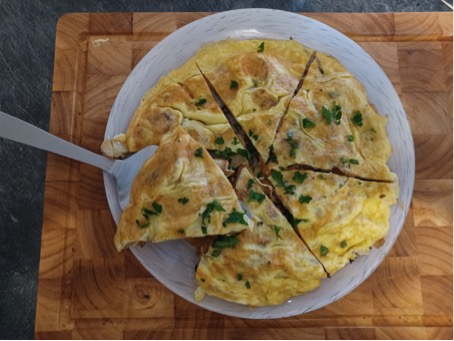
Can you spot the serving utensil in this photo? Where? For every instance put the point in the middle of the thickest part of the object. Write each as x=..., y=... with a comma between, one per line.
x=124, y=171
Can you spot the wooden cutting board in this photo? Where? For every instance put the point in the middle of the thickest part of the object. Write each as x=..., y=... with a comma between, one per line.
x=88, y=290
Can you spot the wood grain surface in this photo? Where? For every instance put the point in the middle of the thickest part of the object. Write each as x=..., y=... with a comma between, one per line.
x=88, y=290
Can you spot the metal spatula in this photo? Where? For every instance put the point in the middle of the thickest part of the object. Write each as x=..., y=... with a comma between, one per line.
x=124, y=171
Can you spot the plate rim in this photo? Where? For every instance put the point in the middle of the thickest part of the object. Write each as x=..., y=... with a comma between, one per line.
x=297, y=16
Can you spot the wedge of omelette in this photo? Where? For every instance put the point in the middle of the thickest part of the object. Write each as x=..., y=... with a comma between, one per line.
x=181, y=98
x=338, y=217
x=256, y=80
x=330, y=124
x=180, y=192
x=264, y=266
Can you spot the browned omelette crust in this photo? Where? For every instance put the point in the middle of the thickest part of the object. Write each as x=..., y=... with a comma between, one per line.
x=269, y=265
x=183, y=180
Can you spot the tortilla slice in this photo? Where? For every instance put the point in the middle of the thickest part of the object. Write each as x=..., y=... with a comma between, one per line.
x=330, y=124
x=179, y=192
x=259, y=267
x=338, y=217
x=180, y=98
x=255, y=79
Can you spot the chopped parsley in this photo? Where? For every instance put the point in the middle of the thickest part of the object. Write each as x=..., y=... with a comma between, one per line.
x=233, y=84
x=235, y=217
x=202, y=280
x=358, y=119
x=204, y=229
x=261, y=47
x=143, y=225
x=244, y=153
x=219, y=140
x=235, y=141
x=333, y=115
x=350, y=138
x=295, y=222
x=280, y=182
x=239, y=277
x=291, y=38
x=199, y=152
x=343, y=244
x=211, y=207
x=200, y=102
x=323, y=250
x=183, y=200
x=307, y=123
x=346, y=161
x=277, y=231
x=224, y=242
x=255, y=83
x=254, y=136
x=181, y=231
x=250, y=183
x=256, y=196
x=224, y=154
x=299, y=178
x=248, y=285
x=304, y=199
x=147, y=212
x=272, y=156
x=157, y=207
x=292, y=143
x=216, y=253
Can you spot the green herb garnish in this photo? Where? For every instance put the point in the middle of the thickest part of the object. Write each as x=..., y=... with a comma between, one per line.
x=272, y=156
x=307, y=123
x=358, y=119
x=304, y=199
x=333, y=115
x=219, y=140
x=350, y=138
x=244, y=153
x=248, y=285
x=199, y=152
x=224, y=154
x=204, y=229
x=239, y=277
x=255, y=83
x=200, y=102
x=250, y=183
x=256, y=196
x=235, y=141
x=280, y=182
x=235, y=217
x=211, y=207
x=216, y=253
x=224, y=242
x=344, y=244
x=254, y=136
x=143, y=225
x=157, y=207
x=292, y=143
x=233, y=84
x=261, y=47
x=183, y=200
x=181, y=231
x=277, y=231
x=346, y=161
x=299, y=178
x=323, y=250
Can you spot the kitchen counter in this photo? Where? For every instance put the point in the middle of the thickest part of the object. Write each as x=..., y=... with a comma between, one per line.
x=26, y=64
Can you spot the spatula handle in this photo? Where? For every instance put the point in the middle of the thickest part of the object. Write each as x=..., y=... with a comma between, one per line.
x=20, y=131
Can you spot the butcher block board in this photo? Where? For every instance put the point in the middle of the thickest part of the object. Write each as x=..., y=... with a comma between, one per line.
x=88, y=290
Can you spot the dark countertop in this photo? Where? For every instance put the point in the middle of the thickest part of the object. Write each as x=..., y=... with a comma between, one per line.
x=27, y=37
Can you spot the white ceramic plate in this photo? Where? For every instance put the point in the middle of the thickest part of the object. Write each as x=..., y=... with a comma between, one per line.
x=173, y=263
